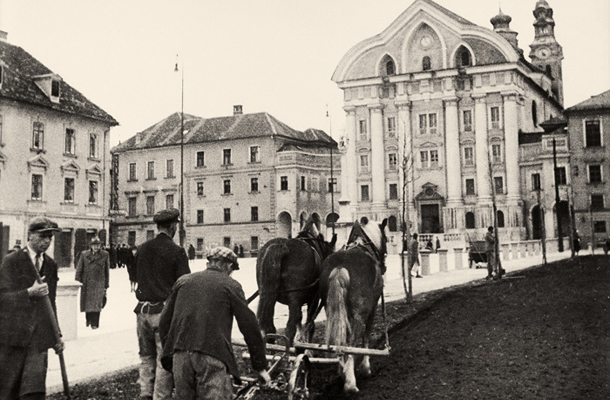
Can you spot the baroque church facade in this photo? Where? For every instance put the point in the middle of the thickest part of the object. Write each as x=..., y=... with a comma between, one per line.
x=436, y=108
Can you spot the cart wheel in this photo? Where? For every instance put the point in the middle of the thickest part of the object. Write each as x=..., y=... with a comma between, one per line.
x=297, y=384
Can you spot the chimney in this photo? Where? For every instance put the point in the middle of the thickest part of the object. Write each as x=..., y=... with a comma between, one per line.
x=138, y=137
x=3, y=36
x=238, y=110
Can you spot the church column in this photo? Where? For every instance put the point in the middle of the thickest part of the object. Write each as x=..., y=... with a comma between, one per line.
x=481, y=149
x=452, y=147
x=511, y=144
x=377, y=157
x=349, y=196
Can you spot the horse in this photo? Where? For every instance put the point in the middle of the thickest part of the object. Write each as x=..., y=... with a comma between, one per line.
x=350, y=286
x=288, y=271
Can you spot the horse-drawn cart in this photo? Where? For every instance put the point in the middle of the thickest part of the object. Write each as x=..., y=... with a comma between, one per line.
x=477, y=254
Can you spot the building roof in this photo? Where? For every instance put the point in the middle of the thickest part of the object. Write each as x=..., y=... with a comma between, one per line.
x=201, y=130
x=596, y=102
x=449, y=13
x=19, y=73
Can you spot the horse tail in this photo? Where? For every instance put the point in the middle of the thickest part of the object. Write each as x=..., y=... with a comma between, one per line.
x=337, y=323
x=270, y=266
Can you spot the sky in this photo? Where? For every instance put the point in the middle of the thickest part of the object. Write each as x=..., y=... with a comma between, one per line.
x=274, y=56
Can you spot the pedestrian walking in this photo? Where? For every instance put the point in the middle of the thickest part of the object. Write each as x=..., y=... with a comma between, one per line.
x=113, y=256
x=490, y=251
x=93, y=271
x=191, y=252
x=159, y=262
x=241, y=251
x=576, y=242
x=26, y=328
x=414, y=257
x=196, y=329
x=438, y=244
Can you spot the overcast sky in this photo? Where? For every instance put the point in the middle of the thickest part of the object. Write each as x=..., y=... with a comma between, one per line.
x=268, y=55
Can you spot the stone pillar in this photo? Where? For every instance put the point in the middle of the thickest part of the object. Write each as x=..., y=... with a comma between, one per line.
x=482, y=150
x=424, y=256
x=459, y=258
x=522, y=249
x=378, y=157
x=514, y=250
x=511, y=145
x=67, y=302
x=537, y=248
x=505, y=251
x=442, y=260
x=452, y=148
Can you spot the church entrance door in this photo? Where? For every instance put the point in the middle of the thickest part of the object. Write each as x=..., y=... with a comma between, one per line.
x=430, y=218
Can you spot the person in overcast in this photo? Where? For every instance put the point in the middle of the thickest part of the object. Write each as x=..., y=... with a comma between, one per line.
x=414, y=257
x=158, y=263
x=490, y=251
x=26, y=328
x=196, y=329
x=93, y=271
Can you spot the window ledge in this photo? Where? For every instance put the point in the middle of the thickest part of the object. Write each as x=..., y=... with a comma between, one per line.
x=69, y=203
x=200, y=166
x=132, y=180
x=93, y=159
x=38, y=151
x=170, y=177
x=227, y=194
x=254, y=162
x=70, y=155
x=151, y=179
x=254, y=192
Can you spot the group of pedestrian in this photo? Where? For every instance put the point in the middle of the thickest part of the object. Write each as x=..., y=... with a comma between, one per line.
x=239, y=250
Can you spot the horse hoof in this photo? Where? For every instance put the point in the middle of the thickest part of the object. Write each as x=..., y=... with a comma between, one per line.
x=349, y=391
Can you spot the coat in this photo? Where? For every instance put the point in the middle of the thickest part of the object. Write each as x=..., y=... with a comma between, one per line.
x=198, y=316
x=93, y=272
x=21, y=315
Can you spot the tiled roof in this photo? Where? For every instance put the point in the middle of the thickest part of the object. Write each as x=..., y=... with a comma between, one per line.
x=594, y=103
x=19, y=69
x=200, y=130
x=449, y=13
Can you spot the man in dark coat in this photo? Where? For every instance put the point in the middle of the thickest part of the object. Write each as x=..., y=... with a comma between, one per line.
x=159, y=262
x=93, y=272
x=196, y=326
x=26, y=328
x=191, y=252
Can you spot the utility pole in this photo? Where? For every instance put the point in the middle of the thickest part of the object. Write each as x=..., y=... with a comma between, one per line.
x=557, y=200
x=182, y=232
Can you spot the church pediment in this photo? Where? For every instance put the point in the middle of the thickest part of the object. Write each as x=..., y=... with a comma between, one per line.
x=429, y=193
x=429, y=145
x=38, y=162
x=94, y=171
x=70, y=167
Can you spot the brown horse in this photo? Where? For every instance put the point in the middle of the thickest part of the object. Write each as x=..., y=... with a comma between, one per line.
x=288, y=271
x=350, y=286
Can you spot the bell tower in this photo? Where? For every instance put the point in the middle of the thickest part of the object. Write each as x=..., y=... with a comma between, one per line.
x=546, y=53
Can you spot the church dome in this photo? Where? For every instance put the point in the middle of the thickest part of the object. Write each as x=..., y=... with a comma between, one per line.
x=501, y=20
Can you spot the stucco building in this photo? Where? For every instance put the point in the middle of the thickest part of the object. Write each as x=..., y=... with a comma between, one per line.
x=436, y=105
x=247, y=178
x=54, y=156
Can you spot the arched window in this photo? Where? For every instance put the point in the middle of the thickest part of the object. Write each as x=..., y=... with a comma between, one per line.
x=390, y=68
x=534, y=113
x=426, y=65
x=500, y=219
x=469, y=220
x=392, y=225
x=387, y=66
x=465, y=58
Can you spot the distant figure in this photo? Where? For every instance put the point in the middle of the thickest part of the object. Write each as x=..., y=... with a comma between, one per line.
x=236, y=250
x=112, y=254
x=414, y=257
x=490, y=250
x=438, y=244
x=429, y=245
x=576, y=242
x=93, y=271
x=241, y=251
x=130, y=256
x=191, y=252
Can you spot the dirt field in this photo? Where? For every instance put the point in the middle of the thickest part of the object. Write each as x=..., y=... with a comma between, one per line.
x=542, y=333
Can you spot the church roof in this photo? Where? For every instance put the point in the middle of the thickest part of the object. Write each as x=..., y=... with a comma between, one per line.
x=20, y=70
x=200, y=130
x=596, y=102
x=450, y=14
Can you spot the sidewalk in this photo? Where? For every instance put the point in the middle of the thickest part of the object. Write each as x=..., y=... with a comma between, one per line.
x=114, y=346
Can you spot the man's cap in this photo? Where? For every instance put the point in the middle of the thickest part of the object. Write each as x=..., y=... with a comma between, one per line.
x=169, y=215
x=219, y=253
x=43, y=225
x=96, y=240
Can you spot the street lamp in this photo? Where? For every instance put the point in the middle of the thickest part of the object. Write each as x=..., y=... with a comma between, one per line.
x=182, y=233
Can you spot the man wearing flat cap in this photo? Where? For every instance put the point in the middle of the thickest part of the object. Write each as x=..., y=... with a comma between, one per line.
x=196, y=326
x=158, y=263
x=93, y=271
x=26, y=328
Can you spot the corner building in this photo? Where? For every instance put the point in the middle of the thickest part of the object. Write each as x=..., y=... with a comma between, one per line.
x=435, y=105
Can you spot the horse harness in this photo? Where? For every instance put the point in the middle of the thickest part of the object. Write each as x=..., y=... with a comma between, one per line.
x=368, y=247
x=317, y=251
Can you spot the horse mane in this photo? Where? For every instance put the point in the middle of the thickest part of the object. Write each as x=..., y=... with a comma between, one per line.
x=309, y=228
x=372, y=230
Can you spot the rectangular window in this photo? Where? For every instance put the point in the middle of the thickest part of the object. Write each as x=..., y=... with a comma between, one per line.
x=432, y=123
x=254, y=243
x=597, y=201
x=200, y=189
x=364, y=162
x=364, y=193
x=391, y=121
x=226, y=241
x=200, y=216
x=303, y=183
x=133, y=210
x=93, y=146
x=150, y=205
x=560, y=175
x=150, y=170
x=36, y=187
x=393, y=191
x=169, y=169
x=283, y=183
x=392, y=161
x=427, y=124
x=38, y=135
x=226, y=157
x=93, y=192
x=423, y=159
x=254, y=214
x=423, y=124
x=169, y=201
x=332, y=185
x=595, y=173
x=470, y=187
x=199, y=244
x=150, y=234
x=499, y=185
x=254, y=185
x=536, y=181
x=131, y=238
x=226, y=186
x=467, y=120
x=200, y=159
x=132, y=172
x=599, y=226
x=55, y=88
x=496, y=151
x=227, y=214
x=69, y=190
x=593, y=136
x=433, y=158
x=468, y=156
x=255, y=155
x=69, y=147
x=495, y=117
x=362, y=127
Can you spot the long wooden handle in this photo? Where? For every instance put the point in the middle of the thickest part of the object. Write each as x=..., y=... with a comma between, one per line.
x=55, y=326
